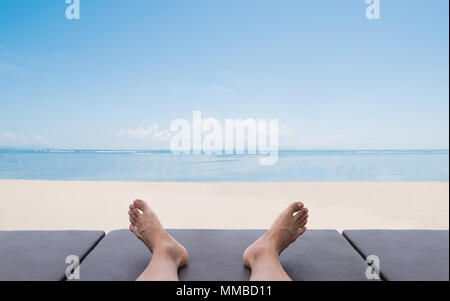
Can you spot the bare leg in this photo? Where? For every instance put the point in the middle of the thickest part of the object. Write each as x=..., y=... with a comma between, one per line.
x=262, y=257
x=168, y=255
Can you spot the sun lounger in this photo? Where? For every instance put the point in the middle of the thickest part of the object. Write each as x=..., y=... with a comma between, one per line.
x=405, y=254
x=217, y=255
x=41, y=255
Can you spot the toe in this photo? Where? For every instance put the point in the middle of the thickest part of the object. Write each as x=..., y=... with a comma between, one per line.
x=301, y=214
x=141, y=205
x=132, y=220
x=303, y=223
x=134, y=213
x=133, y=229
x=301, y=231
x=134, y=209
x=302, y=218
x=294, y=207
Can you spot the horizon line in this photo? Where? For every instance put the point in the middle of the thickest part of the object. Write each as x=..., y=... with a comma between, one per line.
x=168, y=150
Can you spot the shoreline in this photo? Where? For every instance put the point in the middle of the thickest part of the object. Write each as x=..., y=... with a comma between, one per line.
x=100, y=205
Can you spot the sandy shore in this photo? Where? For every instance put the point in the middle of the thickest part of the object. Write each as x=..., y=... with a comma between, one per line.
x=32, y=205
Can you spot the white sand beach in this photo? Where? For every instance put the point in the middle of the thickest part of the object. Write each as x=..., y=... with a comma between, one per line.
x=57, y=205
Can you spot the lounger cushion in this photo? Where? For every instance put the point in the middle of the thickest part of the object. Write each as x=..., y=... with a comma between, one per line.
x=407, y=255
x=217, y=255
x=41, y=255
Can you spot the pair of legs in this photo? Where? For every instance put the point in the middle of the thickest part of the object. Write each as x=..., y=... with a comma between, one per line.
x=262, y=257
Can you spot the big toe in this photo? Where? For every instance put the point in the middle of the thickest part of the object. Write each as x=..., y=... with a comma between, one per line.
x=295, y=207
x=141, y=205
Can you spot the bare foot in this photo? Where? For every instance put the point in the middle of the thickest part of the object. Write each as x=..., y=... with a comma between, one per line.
x=147, y=227
x=289, y=225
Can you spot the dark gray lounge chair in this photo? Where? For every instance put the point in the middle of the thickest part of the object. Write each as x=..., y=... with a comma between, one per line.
x=41, y=255
x=405, y=254
x=217, y=255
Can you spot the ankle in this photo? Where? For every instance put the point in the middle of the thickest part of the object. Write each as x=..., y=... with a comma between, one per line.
x=164, y=248
x=171, y=251
x=259, y=252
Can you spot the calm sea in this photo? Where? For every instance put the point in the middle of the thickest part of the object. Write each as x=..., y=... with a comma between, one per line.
x=108, y=165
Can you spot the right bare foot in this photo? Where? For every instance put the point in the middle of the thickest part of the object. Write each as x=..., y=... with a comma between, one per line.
x=289, y=225
x=147, y=227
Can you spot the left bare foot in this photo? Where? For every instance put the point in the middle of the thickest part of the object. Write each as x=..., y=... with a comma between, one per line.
x=147, y=227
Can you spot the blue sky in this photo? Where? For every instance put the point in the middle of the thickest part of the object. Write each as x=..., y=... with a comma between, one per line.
x=333, y=78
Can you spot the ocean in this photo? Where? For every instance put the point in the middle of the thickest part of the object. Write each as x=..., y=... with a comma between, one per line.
x=138, y=165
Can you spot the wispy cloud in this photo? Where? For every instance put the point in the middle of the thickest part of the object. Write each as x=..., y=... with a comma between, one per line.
x=153, y=132
x=12, y=139
x=156, y=134
x=163, y=135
